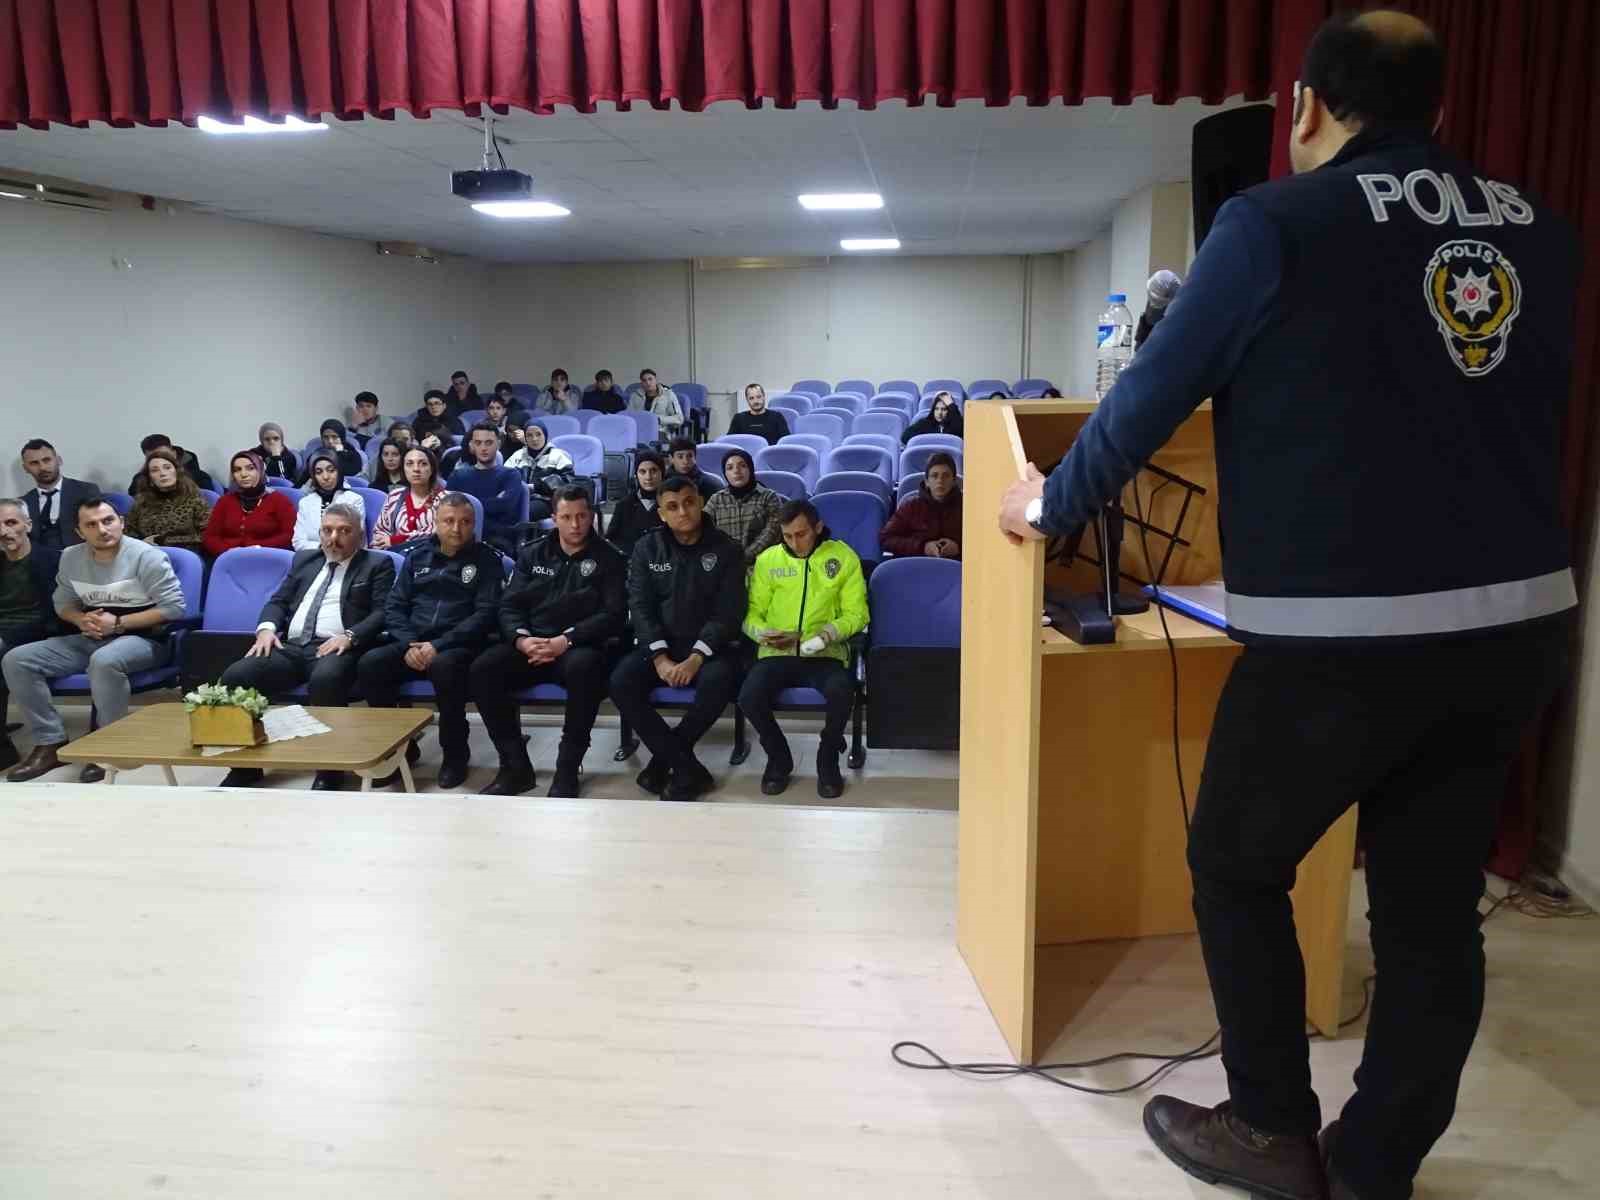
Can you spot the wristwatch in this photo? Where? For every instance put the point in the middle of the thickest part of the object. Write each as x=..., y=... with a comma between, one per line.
x=1034, y=514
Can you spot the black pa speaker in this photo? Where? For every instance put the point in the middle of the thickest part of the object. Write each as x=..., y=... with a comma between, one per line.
x=1232, y=151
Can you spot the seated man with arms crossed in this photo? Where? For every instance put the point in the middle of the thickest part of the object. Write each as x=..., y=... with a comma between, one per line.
x=808, y=598
x=327, y=610
x=440, y=614
x=499, y=489
x=686, y=596
x=568, y=596
x=119, y=593
x=27, y=591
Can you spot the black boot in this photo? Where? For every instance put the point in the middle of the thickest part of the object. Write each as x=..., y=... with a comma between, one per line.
x=780, y=765
x=653, y=778
x=243, y=777
x=830, y=784
x=690, y=779
x=569, y=757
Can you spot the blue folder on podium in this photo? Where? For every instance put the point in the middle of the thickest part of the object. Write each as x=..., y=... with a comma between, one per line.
x=1203, y=601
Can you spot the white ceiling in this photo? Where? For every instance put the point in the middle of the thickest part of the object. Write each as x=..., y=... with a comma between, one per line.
x=645, y=184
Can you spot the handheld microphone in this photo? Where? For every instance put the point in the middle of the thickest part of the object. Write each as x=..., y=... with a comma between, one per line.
x=1160, y=292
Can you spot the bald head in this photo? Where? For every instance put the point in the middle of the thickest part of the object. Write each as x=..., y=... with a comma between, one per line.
x=1396, y=28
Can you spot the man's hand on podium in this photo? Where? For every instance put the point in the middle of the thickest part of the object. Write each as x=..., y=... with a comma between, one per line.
x=1014, y=505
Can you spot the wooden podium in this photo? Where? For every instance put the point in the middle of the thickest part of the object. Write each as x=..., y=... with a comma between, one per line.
x=1071, y=828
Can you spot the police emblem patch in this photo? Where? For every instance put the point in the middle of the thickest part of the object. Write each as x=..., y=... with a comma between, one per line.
x=1474, y=294
x=708, y=563
x=469, y=573
x=587, y=567
x=832, y=568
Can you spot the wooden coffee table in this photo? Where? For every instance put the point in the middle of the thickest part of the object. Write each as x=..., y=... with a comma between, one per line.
x=368, y=742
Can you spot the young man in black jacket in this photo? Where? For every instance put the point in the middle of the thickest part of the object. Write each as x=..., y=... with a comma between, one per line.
x=686, y=594
x=759, y=419
x=569, y=596
x=440, y=615
x=27, y=588
x=684, y=466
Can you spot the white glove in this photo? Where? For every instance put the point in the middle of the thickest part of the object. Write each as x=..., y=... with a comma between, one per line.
x=814, y=645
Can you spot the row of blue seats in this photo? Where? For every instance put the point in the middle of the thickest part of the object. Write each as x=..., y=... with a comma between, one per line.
x=811, y=456
x=979, y=388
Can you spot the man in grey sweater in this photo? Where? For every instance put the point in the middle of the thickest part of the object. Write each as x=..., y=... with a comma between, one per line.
x=119, y=593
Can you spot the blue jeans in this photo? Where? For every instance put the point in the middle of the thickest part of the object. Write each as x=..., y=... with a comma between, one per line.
x=29, y=670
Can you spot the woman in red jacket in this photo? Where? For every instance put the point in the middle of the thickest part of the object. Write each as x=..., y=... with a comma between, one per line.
x=930, y=522
x=249, y=512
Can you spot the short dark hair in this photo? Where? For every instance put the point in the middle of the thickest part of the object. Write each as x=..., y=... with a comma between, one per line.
x=93, y=500
x=682, y=444
x=154, y=442
x=432, y=394
x=940, y=459
x=367, y=398
x=602, y=373
x=572, y=492
x=455, y=500
x=455, y=375
x=678, y=483
x=1376, y=81
x=36, y=444
x=649, y=456
x=496, y=398
x=433, y=460
x=504, y=386
x=799, y=508
x=561, y=371
x=649, y=371
x=483, y=427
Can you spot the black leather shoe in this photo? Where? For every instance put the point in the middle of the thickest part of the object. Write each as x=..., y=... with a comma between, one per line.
x=1215, y=1147
x=8, y=753
x=775, y=779
x=690, y=781
x=41, y=760
x=328, y=781
x=511, y=781
x=654, y=777
x=1338, y=1189
x=243, y=777
x=91, y=773
x=565, y=784
x=413, y=757
x=452, y=775
x=830, y=784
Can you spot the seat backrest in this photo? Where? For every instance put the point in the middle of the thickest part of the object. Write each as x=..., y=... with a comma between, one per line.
x=883, y=441
x=852, y=402
x=309, y=449
x=861, y=387
x=278, y=481
x=751, y=443
x=897, y=402
x=708, y=456
x=242, y=581
x=558, y=426
x=910, y=484
x=209, y=496
x=633, y=389
x=856, y=481
x=373, y=500
x=874, y=459
x=812, y=387
x=647, y=426
x=818, y=442
x=953, y=386
x=908, y=387
x=889, y=421
x=915, y=458
x=983, y=388
x=120, y=501
x=829, y=425
x=471, y=417
x=801, y=460
x=791, y=415
x=693, y=395
x=527, y=394
x=942, y=441
x=191, y=573
x=916, y=602
x=616, y=433
x=855, y=519
x=585, y=418
x=802, y=402
x=847, y=416
x=293, y=495
x=786, y=483
x=1030, y=389
x=588, y=455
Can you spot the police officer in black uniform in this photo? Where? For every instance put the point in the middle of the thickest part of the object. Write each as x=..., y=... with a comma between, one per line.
x=567, y=599
x=1387, y=337
x=440, y=615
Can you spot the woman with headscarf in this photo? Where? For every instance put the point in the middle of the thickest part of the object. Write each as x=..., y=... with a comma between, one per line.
x=280, y=461
x=407, y=512
x=324, y=486
x=929, y=523
x=637, y=513
x=386, y=473
x=746, y=510
x=250, y=513
x=169, y=510
x=336, y=441
x=543, y=467
x=943, y=417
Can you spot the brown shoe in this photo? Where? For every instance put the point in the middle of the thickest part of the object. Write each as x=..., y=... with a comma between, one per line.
x=1338, y=1189
x=41, y=760
x=1215, y=1146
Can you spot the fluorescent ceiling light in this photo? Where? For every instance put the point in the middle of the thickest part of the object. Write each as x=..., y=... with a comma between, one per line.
x=13, y=195
x=520, y=208
x=836, y=201
x=869, y=243
x=257, y=125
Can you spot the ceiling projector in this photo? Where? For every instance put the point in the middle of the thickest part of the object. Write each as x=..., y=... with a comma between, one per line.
x=482, y=186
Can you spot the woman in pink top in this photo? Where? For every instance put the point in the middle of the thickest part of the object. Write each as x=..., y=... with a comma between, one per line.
x=407, y=513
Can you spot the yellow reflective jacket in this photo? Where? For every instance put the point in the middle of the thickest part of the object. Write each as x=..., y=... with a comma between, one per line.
x=806, y=596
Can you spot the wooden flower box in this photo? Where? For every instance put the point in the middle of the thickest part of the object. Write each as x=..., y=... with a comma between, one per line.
x=224, y=725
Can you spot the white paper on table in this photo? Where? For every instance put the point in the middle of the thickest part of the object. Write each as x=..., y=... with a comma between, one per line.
x=281, y=724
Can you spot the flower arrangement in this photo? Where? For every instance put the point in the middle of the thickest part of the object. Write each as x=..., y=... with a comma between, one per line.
x=216, y=695
x=224, y=716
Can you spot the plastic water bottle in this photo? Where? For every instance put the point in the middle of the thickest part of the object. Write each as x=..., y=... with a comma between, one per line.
x=1115, y=344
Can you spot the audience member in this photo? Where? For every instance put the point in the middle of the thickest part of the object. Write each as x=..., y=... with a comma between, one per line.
x=186, y=459
x=27, y=605
x=686, y=598
x=499, y=489
x=386, y=473
x=1051, y=393
x=930, y=522
x=604, y=396
x=507, y=395
x=656, y=398
x=169, y=511
x=560, y=397
x=567, y=598
x=515, y=436
x=808, y=598
x=450, y=458
x=745, y=510
x=280, y=461
x=403, y=433
x=119, y=593
x=998, y=396
x=543, y=467
x=367, y=422
x=758, y=418
x=463, y=395
x=499, y=414
x=324, y=487
x=436, y=417
x=337, y=442
x=943, y=417
x=328, y=609
x=408, y=512
x=637, y=513
x=53, y=500
x=441, y=612
x=684, y=466
x=249, y=513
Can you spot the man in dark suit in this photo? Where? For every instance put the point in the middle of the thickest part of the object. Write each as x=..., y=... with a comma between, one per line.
x=27, y=586
x=53, y=501
x=328, y=609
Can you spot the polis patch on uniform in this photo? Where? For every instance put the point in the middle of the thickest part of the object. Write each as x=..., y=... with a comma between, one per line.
x=587, y=567
x=708, y=563
x=831, y=569
x=1474, y=294
x=469, y=573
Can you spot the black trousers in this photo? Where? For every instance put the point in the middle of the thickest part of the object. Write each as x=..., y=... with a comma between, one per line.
x=502, y=670
x=384, y=669
x=328, y=679
x=771, y=675
x=1421, y=737
x=635, y=678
